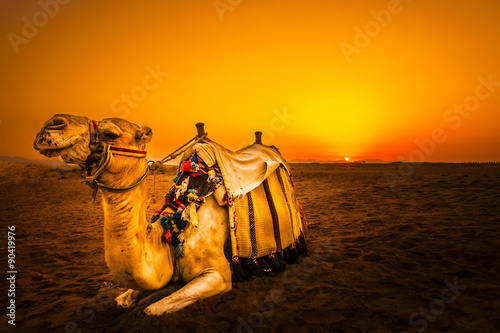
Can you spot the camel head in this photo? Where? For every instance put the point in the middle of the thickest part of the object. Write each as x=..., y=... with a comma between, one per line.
x=122, y=133
x=66, y=136
x=127, y=141
x=69, y=136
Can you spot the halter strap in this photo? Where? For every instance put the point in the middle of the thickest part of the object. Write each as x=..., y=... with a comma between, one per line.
x=104, y=162
x=128, y=152
x=108, y=151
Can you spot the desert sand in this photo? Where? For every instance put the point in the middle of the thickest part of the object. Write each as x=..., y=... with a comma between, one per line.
x=379, y=261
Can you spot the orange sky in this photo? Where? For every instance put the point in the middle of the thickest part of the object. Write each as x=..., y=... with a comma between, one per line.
x=274, y=65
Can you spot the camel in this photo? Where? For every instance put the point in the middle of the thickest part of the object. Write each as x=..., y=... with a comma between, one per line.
x=135, y=253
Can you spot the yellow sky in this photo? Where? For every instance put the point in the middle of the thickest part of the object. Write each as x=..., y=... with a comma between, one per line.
x=301, y=71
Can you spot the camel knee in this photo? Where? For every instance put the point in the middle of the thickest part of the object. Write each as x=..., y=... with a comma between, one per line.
x=225, y=283
x=224, y=286
x=214, y=282
x=228, y=287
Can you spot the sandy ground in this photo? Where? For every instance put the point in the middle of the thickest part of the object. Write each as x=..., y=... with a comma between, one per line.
x=422, y=258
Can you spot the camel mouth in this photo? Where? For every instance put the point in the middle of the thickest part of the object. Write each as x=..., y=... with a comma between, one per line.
x=53, y=152
x=52, y=146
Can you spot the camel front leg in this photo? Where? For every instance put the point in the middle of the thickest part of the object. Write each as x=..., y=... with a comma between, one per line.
x=130, y=298
x=208, y=284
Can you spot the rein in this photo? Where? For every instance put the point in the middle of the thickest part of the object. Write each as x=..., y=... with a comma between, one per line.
x=180, y=150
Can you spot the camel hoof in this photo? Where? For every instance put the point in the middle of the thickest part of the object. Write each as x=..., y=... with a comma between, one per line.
x=126, y=300
x=149, y=312
x=154, y=310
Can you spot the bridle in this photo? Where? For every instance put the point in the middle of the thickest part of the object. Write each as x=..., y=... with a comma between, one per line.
x=105, y=152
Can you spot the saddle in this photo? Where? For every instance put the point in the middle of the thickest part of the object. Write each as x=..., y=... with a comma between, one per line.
x=267, y=224
x=264, y=214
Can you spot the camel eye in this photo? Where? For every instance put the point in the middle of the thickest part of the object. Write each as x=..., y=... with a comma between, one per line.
x=110, y=135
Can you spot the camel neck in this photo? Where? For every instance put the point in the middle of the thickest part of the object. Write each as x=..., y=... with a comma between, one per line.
x=125, y=213
x=135, y=253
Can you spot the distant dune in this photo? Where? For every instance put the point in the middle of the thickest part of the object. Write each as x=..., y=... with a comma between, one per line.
x=45, y=161
x=372, y=160
x=16, y=159
x=369, y=160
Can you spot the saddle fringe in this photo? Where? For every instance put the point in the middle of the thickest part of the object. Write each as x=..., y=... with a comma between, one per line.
x=247, y=268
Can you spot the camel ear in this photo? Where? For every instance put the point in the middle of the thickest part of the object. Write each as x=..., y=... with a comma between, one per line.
x=144, y=135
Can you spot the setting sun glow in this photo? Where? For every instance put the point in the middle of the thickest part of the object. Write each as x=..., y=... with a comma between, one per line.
x=320, y=79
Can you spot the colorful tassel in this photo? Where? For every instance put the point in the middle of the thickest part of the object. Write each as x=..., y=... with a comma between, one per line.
x=166, y=221
x=175, y=239
x=194, y=167
x=177, y=177
x=167, y=237
x=186, y=166
x=192, y=197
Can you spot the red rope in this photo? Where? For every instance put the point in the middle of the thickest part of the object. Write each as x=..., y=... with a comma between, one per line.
x=126, y=150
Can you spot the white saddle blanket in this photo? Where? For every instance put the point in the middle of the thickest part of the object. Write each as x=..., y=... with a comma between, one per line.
x=243, y=170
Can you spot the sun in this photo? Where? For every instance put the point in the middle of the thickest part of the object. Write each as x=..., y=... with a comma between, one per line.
x=346, y=159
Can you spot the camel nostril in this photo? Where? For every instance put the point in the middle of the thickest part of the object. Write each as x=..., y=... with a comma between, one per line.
x=56, y=123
